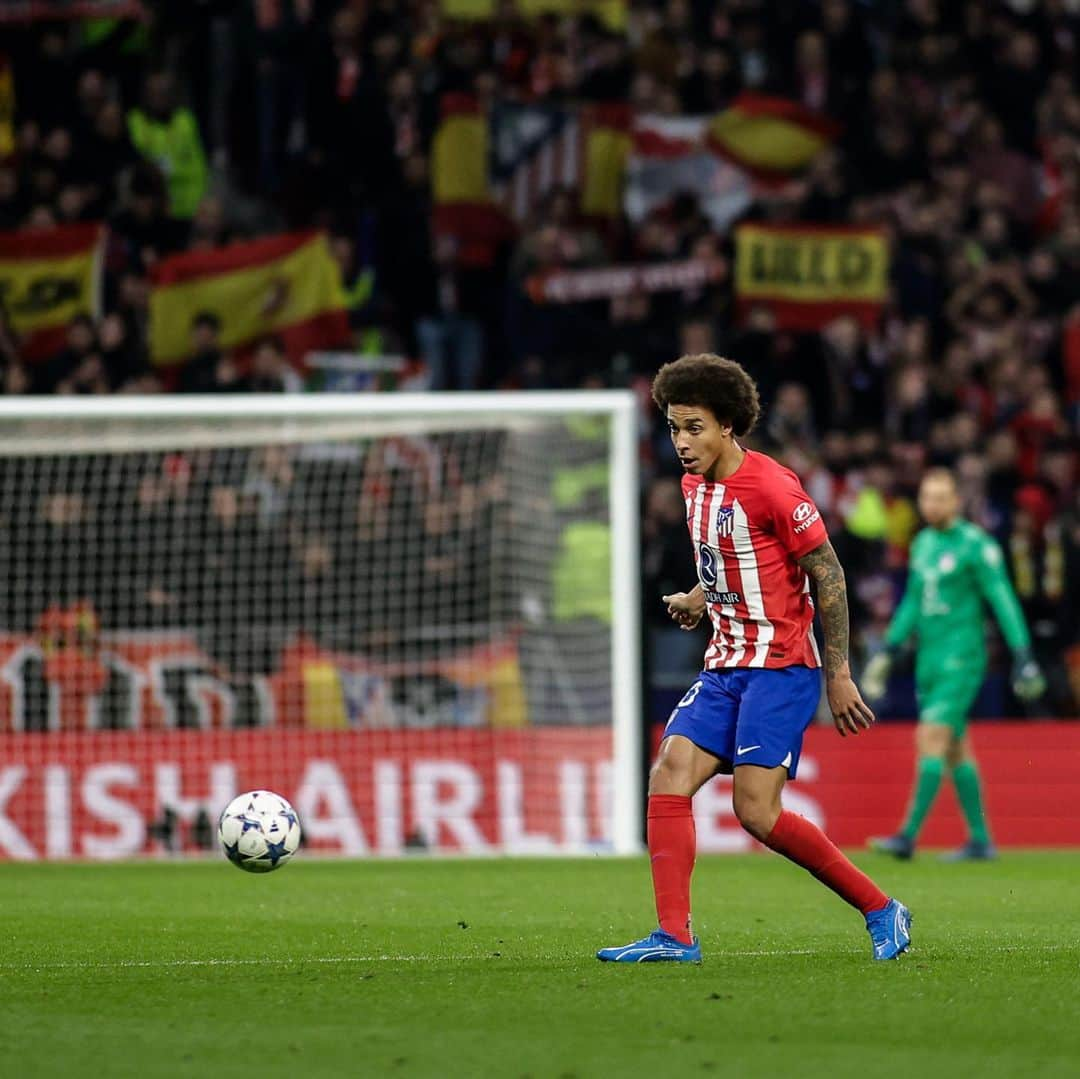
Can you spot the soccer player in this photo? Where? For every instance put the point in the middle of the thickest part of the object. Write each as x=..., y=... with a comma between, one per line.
x=954, y=568
x=759, y=541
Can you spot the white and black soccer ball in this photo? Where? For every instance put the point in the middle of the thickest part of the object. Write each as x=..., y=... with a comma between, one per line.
x=259, y=831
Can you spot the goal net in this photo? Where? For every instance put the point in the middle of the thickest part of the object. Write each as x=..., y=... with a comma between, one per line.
x=415, y=616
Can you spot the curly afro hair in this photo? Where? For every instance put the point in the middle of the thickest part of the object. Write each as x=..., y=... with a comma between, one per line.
x=711, y=382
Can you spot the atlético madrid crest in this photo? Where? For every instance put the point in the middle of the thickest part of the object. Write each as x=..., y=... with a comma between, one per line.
x=725, y=520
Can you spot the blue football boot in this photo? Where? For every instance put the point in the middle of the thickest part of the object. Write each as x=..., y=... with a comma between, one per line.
x=890, y=930
x=657, y=947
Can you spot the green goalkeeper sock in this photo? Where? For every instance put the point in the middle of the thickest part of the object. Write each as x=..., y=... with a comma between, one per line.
x=966, y=779
x=927, y=783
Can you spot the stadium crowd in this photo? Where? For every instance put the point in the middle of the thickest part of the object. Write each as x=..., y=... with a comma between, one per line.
x=222, y=120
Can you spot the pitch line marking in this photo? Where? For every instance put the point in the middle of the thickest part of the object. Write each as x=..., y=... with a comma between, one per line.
x=323, y=960
x=337, y=960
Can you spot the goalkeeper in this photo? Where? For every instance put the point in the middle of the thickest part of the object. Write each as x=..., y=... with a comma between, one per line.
x=955, y=566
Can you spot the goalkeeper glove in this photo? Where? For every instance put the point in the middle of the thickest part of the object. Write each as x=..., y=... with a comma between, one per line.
x=1028, y=682
x=875, y=677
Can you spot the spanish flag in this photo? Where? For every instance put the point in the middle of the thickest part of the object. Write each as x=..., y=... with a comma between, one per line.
x=465, y=207
x=607, y=149
x=770, y=137
x=47, y=277
x=287, y=285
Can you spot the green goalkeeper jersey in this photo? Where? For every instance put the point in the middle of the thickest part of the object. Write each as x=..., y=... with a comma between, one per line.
x=952, y=573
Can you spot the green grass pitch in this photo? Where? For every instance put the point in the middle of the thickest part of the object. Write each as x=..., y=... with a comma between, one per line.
x=485, y=968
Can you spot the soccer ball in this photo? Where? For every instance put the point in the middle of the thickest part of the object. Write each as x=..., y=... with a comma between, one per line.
x=259, y=831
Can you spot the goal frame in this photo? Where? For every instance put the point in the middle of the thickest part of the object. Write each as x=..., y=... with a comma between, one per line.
x=621, y=406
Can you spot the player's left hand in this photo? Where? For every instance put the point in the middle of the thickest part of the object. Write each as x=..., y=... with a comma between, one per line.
x=1028, y=681
x=851, y=713
x=875, y=676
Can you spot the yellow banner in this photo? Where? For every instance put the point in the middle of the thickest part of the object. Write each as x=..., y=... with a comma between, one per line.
x=811, y=265
x=271, y=291
x=612, y=13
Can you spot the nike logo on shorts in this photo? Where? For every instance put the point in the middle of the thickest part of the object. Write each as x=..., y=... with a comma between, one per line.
x=745, y=749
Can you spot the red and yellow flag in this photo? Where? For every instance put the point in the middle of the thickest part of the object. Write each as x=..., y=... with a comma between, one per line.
x=770, y=137
x=287, y=285
x=809, y=274
x=47, y=277
x=465, y=208
x=608, y=143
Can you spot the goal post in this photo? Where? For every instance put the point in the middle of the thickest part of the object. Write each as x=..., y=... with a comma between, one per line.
x=415, y=615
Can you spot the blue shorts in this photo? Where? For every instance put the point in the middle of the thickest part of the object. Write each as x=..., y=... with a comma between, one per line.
x=749, y=715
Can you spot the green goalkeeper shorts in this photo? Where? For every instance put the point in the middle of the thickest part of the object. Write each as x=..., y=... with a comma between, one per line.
x=947, y=691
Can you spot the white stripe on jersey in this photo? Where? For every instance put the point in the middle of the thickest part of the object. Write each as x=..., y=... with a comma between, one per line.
x=738, y=631
x=752, y=595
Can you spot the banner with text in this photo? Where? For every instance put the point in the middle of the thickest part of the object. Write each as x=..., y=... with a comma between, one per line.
x=810, y=274
x=607, y=282
x=105, y=794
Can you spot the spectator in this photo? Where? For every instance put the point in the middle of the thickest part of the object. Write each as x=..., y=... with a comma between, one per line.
x=78, y=354
x=790, y=421
x=143, y=226
x=270, y=369
x=168, y=135
x=109, y=157
x=125, y=361
x=209, y=369
x=349, y=134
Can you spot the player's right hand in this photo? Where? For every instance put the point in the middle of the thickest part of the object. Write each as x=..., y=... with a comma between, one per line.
x=875, y=676
x=684, y=611
x=850, y=712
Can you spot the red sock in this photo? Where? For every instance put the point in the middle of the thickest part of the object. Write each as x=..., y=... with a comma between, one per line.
x=672, y=844
x=807, y=845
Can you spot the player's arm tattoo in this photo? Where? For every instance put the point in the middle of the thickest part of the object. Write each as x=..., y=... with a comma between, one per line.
x=824, y=569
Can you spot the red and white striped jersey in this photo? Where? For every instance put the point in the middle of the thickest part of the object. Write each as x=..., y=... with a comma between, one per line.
x=748, y=533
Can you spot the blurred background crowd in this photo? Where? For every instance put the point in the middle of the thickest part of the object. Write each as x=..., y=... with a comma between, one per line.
x=202, y=123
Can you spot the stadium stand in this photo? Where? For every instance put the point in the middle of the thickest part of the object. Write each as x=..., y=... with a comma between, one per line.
x=471, y=172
